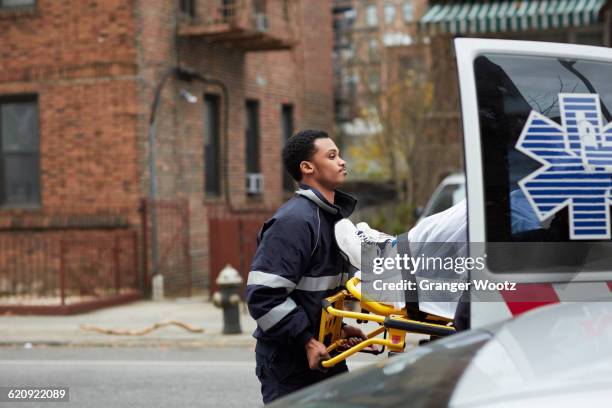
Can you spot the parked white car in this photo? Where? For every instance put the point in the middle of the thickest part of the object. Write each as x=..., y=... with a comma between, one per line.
x=449, y=192
x=555, y=356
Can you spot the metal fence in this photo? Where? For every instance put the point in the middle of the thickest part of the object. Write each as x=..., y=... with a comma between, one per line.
x=234, y=244
x=173, y=245
x=64, y=268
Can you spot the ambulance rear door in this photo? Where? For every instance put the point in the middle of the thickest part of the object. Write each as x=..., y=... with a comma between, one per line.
x=537, y=126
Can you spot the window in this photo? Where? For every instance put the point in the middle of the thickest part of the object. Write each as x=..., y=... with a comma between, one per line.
x=350, y=14
x=287, y=129
x=389, y=13
x=374, y=81
x=408, y=11
x=212, y=145
x=349, y=52
x=373, y=45
x=259, y=6
x=509, y=88
x=286, y=10
x=353, y=81
x=394, y=39
x=17, y=3
x=19, y=145
x=187, y=8
x=252, y=147
x=371, y=15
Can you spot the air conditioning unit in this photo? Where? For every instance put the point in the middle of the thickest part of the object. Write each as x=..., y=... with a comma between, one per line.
x=254, y=183
x=260, y=21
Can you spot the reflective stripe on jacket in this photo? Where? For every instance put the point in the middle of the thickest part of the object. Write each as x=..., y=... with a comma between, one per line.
x=296, y=265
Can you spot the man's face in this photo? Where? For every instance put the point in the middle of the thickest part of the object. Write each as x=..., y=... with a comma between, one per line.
x=328, y=168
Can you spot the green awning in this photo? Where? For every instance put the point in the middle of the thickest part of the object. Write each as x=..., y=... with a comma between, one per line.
x=485, y=16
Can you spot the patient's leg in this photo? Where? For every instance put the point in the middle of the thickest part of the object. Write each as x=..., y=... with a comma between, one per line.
x=362, y=245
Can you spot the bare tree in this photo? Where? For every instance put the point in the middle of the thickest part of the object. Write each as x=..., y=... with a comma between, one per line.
x=415, y=108
x=404, y=111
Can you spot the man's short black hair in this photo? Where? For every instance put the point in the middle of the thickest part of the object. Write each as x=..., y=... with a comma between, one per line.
x=300, y=147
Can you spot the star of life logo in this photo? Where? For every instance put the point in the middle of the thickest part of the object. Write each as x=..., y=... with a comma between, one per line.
x=577, y=165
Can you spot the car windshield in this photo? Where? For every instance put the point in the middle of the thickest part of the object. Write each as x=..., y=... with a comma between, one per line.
x=547, y=162
x=423, y=377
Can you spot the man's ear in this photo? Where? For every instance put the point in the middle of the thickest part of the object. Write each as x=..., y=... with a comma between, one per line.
x=306, y=167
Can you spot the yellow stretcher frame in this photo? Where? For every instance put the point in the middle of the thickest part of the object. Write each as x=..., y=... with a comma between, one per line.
x=395, y=324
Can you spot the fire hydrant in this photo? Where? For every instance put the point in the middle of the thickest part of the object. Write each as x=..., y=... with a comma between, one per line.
x=228, y=299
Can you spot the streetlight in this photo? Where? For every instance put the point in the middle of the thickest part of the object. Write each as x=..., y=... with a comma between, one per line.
x=186, y=75
x=188, y=96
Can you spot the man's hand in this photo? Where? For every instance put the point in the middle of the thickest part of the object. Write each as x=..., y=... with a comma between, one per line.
x=316, y=352
x=354, y=336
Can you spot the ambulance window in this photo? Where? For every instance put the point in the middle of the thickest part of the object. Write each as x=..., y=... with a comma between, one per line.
x=510, y=88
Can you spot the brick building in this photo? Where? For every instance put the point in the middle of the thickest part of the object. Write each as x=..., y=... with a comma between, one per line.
x=77, y=81
x=377, y=42
x=364, y=30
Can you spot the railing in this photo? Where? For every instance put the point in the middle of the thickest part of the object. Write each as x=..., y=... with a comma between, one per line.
x=234, y=243
x=63, y=268
x=248, y=24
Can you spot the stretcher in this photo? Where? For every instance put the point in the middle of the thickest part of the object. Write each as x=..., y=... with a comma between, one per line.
x=393, y=324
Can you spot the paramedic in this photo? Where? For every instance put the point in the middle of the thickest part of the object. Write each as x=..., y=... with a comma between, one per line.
x=296, y=265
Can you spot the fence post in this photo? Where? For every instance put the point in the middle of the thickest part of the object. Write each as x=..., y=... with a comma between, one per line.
x=241, y=244
x=116, y=262
x=186, y=243
x=62, y=274
x=135, y=257
x=145, y=248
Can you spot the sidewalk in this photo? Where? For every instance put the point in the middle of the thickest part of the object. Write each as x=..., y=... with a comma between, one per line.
x=66, y=330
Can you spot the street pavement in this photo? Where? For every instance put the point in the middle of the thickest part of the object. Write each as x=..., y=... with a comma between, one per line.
x=140, y=377
x=168, y=367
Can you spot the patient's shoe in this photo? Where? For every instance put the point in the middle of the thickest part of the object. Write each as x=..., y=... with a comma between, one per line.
x=348, y=241
x=355, y=240
x=373, y=235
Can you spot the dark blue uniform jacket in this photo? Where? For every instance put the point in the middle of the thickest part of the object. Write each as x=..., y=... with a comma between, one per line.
x=296, y=265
